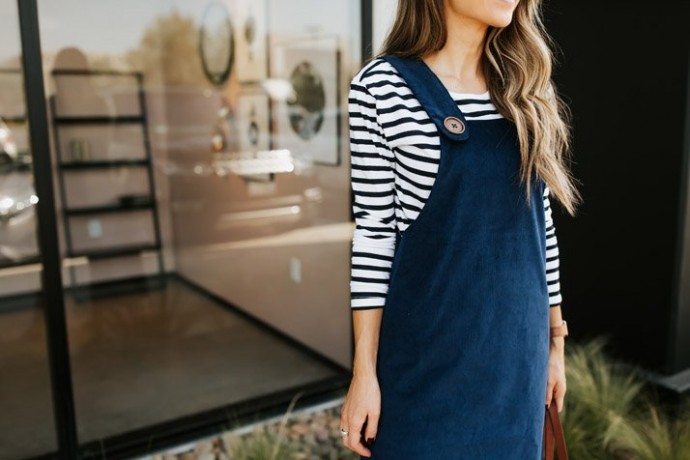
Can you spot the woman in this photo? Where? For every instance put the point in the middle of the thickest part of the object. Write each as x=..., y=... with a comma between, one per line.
x=457, y=138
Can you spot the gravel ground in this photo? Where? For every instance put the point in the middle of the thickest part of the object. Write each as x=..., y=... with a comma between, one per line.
x=307, y=434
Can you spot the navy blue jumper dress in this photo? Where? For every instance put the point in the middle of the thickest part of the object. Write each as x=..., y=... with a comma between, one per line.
x=464, y=338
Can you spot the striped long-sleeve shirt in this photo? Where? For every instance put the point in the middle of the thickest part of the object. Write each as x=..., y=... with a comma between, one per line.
x=395, y=151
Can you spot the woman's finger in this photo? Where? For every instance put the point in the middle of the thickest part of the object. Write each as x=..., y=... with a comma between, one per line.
x=549, y=391
x=344, y=411
x=559, y=403
x=559, y=394
x=354, y=438
x=372, y=427
x=344, y=420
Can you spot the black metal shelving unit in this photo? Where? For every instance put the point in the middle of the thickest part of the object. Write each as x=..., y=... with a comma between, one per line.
x=84, y=166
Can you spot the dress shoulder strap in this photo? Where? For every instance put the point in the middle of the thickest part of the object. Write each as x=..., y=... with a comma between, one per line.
x=433, y=96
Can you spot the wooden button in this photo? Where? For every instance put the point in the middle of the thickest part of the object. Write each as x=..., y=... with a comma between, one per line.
x=454, y=125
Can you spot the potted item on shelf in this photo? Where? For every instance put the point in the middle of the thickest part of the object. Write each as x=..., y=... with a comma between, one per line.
x=79, y=149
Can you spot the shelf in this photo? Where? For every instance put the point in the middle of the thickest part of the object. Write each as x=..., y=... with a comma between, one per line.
x=103, y=164
x=6, y=263
x=97, y=73
x=15, y=167
x=115, y=252
x=99, y=120
x=15, y=120
x=108, y=209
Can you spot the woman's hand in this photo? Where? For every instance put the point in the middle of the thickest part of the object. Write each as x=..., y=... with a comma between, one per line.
x=555, y=387
x=362, y=403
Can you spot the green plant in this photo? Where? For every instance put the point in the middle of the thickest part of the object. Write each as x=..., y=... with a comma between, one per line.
x=609, y=414
x=654, y=435
x=266, y=442
x=600, y=402
x=263, y=444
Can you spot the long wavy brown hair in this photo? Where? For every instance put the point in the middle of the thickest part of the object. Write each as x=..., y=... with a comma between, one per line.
x=517, y=64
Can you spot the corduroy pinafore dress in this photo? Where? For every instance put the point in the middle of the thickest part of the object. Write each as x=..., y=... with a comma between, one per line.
x=464, y=338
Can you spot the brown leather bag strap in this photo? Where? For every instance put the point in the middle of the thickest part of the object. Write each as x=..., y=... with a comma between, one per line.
x=548, y=436
x=553, y=433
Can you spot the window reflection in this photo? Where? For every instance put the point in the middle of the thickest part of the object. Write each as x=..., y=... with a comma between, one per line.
x=198, y=143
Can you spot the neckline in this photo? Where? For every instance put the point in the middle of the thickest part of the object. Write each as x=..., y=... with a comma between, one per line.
x=484, y=95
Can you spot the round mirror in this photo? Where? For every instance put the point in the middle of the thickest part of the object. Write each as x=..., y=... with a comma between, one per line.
x=216, y=43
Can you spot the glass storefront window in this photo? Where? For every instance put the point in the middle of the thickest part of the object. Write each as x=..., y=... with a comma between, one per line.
x=201, y=173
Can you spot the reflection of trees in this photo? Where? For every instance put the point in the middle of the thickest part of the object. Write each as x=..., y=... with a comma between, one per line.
x=168, y=51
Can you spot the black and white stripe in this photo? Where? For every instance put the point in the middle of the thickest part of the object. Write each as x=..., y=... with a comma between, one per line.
x=395, y=151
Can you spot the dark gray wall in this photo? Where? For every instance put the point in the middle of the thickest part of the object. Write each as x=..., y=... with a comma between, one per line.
x=624, y=72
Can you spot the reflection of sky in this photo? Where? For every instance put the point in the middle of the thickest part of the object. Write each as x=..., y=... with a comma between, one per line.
x=109, y=26
x=114, y=26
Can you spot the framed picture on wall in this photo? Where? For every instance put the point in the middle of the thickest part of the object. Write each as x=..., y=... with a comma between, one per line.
x=307, y=116
x=254, y=127
x=251, y=40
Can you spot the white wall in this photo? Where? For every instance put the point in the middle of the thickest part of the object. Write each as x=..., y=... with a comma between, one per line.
x=384, y=14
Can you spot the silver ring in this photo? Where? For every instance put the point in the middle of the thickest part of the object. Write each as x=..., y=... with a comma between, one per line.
x=344, y=432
